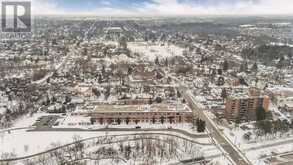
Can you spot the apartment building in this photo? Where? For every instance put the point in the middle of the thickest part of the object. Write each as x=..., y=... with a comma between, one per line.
x=243, y=106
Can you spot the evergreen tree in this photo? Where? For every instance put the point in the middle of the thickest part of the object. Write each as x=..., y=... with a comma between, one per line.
x=224, y=93
x=127, y=120
x=118, y=121
x=103, y=70
x=150, y=101
x=130, y=70
x=260, y=114
x=92, y=120
x=267, y=126
x=157, y=61
x=285, y=125
x=201, y=125
x=154, y=120
x=100, y=80
x=159, y=99
x=178, y=94
x=225, y=65
x=166, y=62
x=162, y=118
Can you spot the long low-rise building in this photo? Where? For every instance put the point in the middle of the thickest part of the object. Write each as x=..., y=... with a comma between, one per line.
x=127, y=114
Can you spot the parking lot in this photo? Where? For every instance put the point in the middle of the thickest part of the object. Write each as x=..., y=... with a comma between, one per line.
x=46, y=121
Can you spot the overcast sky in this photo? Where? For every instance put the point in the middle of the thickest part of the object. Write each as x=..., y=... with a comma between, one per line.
x=162, y=7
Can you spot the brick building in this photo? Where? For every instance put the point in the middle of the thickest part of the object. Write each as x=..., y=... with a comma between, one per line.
x=243, y=106
x=134, y=114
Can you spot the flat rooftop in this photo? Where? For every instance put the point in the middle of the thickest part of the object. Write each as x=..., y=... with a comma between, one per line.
x=137, y=108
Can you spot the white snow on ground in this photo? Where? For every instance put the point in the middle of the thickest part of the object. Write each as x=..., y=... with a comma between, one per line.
x=219, y=161
x=40, y=141
x=274, y=108
x=122, y=58
x=258, y=156
x=235, y=135
x=280, y=89
x=37, y=141
x=149, y=52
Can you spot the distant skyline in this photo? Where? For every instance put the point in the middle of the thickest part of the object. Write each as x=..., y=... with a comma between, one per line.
x=162, y=7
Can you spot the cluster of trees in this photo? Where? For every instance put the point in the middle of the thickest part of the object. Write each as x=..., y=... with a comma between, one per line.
x=165, y=62
x=265, y=126
x=60, y=105
x=150, y=148
x=273, y=127
x=105, y=92
x=225, y=65
x=184, y=69
x=27, y=98
x=269, y=53
x=39, y=74
x=242, y=68
x=201, y=125
x=7, y=118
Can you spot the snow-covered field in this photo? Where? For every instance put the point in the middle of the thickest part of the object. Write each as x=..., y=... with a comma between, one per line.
x=24, y=143
x=16, y=141
x=150, y=52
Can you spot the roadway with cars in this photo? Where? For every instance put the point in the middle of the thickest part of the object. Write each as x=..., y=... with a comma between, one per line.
x=237, y=157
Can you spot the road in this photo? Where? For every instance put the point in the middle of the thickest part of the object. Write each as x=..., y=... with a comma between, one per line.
x=59, y=66
x=179, y=131
x=105, y=142
x=215, y=133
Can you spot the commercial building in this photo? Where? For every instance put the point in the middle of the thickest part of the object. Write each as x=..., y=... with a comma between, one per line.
x=134, y=114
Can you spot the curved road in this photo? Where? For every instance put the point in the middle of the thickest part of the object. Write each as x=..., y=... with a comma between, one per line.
x=91, y=138
x=191, y=135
